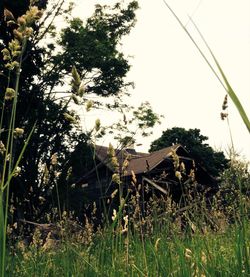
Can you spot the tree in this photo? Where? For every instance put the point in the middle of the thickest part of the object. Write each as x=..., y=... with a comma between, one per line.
x=91, y=47
x=214, y=161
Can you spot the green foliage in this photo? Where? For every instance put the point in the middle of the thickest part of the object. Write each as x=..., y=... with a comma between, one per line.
x=237, y=176
x=234, y=190
x=215, y=162
x=92, y=47
x=145, y=116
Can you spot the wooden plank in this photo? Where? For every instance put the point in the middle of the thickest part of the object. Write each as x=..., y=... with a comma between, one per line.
x=155, y=185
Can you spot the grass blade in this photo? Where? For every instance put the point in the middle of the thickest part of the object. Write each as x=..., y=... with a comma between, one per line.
x=225, y=83
x=229, y=89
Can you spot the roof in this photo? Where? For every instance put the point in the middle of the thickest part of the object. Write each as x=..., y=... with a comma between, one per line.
x=138, y=162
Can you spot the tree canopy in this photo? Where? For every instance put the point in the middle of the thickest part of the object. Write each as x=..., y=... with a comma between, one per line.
x=214, y=161
x=92, y=48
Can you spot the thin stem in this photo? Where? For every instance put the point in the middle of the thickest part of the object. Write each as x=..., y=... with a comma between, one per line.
x=9, y=157
x=3, y=107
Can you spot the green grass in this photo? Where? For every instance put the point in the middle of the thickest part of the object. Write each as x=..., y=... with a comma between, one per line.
x=160, y=254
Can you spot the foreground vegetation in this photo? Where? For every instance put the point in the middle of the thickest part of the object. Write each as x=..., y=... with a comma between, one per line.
x=205, y=239
x=166, y=252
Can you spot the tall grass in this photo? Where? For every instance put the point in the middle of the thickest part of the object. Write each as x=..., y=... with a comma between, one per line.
x=163, y=253
x=13, y=56
x=151, y=242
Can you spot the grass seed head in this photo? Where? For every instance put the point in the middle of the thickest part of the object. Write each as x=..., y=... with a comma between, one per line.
x=54, y=159
x=188, y=254
x=225, y=103
x=9, y=93
x=2, y=148
x=116, y=178
x=89, y=105
x=18, y=132
x=97, y=125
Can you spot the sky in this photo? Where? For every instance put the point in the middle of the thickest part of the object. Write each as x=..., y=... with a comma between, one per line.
x=169, y=72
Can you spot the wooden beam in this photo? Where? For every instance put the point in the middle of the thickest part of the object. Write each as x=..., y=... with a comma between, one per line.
x=155, y=185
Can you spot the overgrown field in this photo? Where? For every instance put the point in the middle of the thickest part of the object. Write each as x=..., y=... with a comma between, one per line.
x=43, y=149
x=163, y=240
x=165, y=252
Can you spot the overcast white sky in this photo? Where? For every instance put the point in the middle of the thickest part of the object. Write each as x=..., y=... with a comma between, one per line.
x=169, y=72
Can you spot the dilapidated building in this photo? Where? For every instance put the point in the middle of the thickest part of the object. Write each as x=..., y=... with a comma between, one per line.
x=166, y=171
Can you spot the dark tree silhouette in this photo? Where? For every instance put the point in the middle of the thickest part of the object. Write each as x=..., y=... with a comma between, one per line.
x=93, y=48
x=214, y=161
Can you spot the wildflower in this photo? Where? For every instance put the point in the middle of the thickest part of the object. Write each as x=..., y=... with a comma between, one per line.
x=9, y=93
